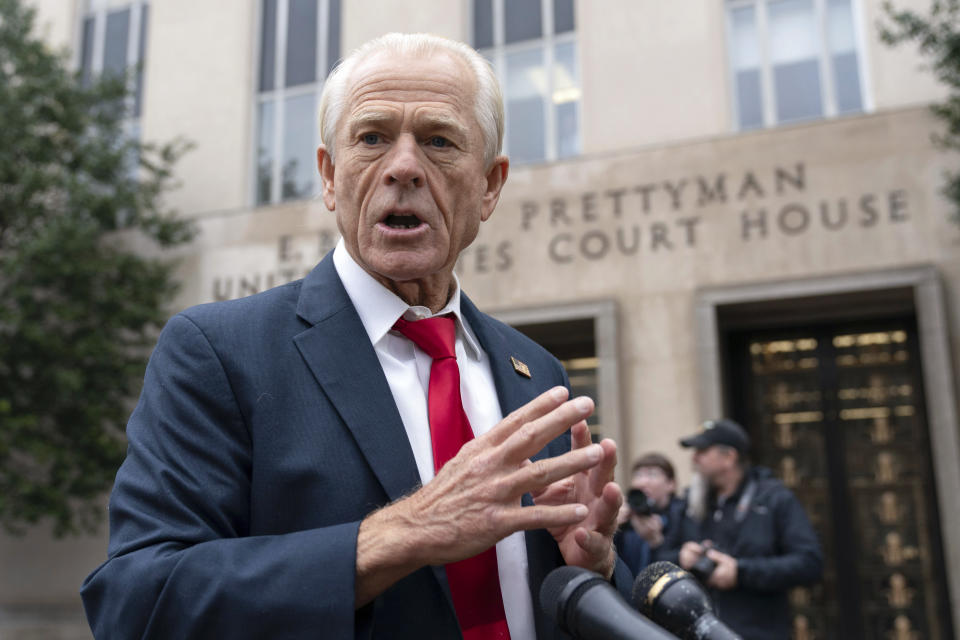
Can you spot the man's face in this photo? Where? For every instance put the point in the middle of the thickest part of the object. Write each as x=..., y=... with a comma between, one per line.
x=409, y=187
x=654, y=483
x=713, y=461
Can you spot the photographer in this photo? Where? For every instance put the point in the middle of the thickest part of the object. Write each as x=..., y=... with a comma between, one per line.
x=745, y=535
x=650, y=516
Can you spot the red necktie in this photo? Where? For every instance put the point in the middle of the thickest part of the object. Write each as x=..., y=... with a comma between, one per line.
x=474, y=582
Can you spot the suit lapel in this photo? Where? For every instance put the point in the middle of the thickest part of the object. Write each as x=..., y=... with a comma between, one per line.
x=513, y=389
x=339, y=354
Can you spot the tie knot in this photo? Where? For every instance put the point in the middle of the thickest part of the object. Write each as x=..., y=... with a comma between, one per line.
x=436, y=336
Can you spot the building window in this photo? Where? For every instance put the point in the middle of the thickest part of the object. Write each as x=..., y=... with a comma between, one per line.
x=114, y=40
x=532, y=44
x=792, y=60
x=299, y=46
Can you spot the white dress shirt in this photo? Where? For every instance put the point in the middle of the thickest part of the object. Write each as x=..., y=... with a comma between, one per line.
x=407, y=369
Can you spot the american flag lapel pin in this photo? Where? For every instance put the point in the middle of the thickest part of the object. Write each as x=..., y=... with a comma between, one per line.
x=520, y=367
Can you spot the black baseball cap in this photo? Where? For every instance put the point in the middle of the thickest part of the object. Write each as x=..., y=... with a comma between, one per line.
x=723, y=431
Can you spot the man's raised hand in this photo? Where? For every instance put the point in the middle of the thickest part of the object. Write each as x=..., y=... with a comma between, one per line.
x=589, y=543
x=474, y=500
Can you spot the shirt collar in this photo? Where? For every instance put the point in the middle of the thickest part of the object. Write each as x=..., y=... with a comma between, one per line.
x=379, y=308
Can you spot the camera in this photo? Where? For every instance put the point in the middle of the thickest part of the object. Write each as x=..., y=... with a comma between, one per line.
x=639, y=503
x=703, y=568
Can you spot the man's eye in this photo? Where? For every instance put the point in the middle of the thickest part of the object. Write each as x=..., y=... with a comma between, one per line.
x=371, y=138
x=439, y=142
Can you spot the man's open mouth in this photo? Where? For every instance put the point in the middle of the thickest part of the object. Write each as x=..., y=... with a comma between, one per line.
x=401, y=221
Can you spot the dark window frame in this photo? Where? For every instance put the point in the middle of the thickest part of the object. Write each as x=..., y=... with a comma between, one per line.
x=278, y=98
x=556, y=102
x=827, y=65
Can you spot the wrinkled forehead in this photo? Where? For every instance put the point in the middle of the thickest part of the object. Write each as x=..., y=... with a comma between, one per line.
x=408, y=64
x=435, y=76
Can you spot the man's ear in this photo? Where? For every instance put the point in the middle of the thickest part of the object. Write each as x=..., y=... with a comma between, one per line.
x=325, y=166
x=496, y=177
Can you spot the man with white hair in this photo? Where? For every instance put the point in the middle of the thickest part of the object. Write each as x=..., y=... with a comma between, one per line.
x=362, y=453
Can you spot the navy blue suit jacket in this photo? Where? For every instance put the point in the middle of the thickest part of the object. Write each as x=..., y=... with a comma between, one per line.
x=265, y=432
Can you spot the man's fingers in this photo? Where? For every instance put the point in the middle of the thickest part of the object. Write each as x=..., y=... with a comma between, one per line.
x=594, y=543
x=580, y=435
x=539, y=491
x=560, y=492
x=602, y=474
x=536, y=477
x=606, y=510
x=536, y=408
x=545, y=517
x=531, y=437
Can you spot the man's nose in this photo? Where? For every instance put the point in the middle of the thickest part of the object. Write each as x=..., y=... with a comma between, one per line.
x=405, y=167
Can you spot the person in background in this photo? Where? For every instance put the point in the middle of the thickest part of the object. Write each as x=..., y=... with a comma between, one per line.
x=745, y=535
x=650, y=518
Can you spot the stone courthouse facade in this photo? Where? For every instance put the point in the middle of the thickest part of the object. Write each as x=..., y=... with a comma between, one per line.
x=715, y=207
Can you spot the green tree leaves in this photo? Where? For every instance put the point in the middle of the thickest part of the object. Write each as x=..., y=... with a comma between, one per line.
x=79, y=308
x=938, y=38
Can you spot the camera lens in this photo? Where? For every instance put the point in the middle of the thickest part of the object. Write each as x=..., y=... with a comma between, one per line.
x=638, y=501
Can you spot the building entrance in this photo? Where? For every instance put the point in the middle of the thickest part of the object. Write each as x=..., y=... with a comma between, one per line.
x=837, y=411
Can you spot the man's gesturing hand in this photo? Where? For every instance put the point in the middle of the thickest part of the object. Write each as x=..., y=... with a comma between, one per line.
x=588, y=544
x=474, y=500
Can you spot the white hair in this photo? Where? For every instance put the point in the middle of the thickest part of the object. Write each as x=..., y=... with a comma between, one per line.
x=488, y=100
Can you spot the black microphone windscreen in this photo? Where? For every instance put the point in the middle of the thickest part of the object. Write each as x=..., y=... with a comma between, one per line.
x=585, y=605
x=556, y=581
x=645, y=581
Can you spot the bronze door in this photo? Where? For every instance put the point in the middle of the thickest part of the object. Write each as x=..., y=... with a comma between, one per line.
x=837, y=412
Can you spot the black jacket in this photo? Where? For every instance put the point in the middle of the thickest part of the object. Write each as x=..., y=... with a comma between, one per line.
x=775, y=546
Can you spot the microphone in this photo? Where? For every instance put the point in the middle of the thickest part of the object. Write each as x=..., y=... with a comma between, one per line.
x=674, y=599
x=587, y=607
